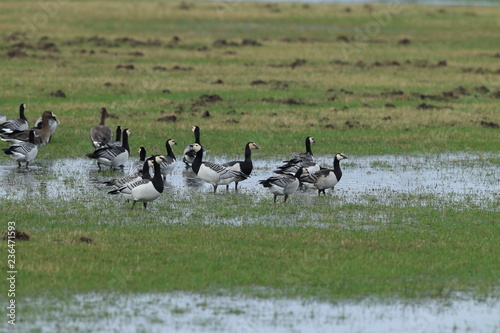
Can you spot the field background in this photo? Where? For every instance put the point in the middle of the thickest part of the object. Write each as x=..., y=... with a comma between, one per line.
x=352, y=76
x=361, y=79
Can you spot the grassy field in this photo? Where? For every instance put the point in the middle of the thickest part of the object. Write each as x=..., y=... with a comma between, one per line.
x=361, y=79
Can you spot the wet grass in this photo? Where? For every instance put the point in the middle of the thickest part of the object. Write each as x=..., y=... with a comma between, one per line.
x=318, y=247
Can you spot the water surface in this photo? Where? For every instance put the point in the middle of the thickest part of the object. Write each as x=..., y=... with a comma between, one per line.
x=192, y=312
x=468, y=178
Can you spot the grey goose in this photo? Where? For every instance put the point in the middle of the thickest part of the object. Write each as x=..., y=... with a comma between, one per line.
x=100, y=134
x=283, y=184
x=24, y=151
x=42, y=136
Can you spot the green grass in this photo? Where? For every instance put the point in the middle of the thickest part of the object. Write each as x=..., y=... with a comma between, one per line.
x=341, y=93
x=403, y=249
x=370, y=248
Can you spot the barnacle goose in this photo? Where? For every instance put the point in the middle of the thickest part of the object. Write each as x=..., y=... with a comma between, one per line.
x=144, y=190
x=168, y=163
x=245, y=166
x=189, y=153
x=325, y=178
x=301, y=160
x=144, y=173
x=212, y=173
x=113, y=156
x=136, y=167
x=283, y=184
x=16, y=124
x=24, y=151
x=118, y=137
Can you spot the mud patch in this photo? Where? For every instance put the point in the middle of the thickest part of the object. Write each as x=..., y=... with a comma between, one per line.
x=171, y=118
x=392, y=93
x=58, y=93
x=425, y=106
x=404, y=41
x=286, y=101
x=258, y=82
x=126, y=67
x=85, y=240
x=206, y=99
x=18, y=235
x=106, y=42
x=489, y=124
x=221, y=43
x=294, y=64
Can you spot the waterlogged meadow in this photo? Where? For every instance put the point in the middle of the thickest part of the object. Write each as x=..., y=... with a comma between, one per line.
x=431, y=232
x=408, y=241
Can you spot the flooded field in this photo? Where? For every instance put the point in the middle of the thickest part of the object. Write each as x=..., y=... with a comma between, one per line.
x=463, y=179
x=190, y=312
x=467, y=178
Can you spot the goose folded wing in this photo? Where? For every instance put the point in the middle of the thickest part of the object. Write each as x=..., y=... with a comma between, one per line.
x=22, y=148
x=119, y=182
x=109, y=152
x=137, y=183
x=225, y=173
x=310, y=178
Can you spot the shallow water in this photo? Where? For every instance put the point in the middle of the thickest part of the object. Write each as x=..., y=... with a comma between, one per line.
x=467, y=178
x=464, y=178
x=191, y=312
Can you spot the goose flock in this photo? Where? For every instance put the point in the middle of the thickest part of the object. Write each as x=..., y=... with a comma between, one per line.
x=144, y=181
x=26, y=141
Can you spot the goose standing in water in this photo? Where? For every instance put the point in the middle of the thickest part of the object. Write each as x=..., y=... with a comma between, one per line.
x=189, y=153
x=304, y=157
x=24, y=151
x=283, y=184
x=168, y=164
x=144, y=173
x=213, y=173
x=301, y=160
x=113, y=156
x=144, y=190
x=136, y=167
x=245, y=166
x=100, y=134
x=325, y=178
